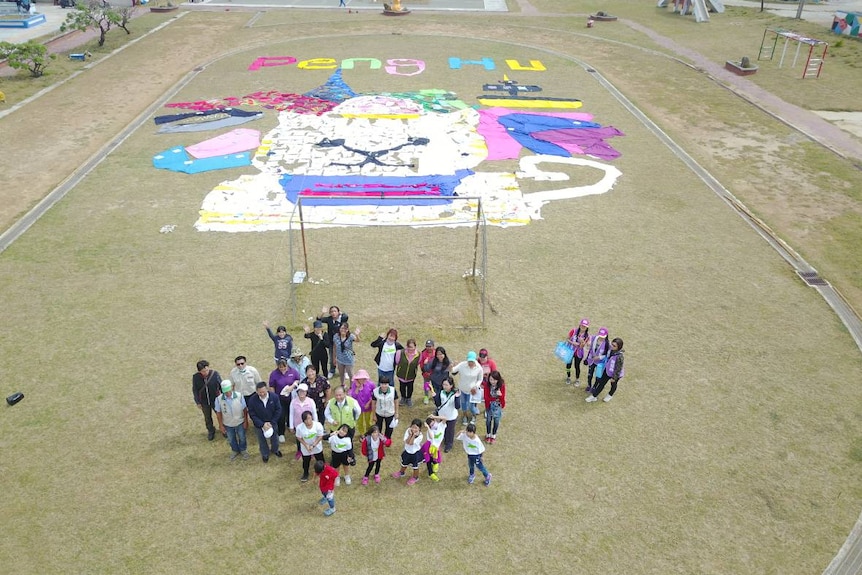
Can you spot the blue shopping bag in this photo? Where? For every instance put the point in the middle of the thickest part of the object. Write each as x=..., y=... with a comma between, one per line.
x=564, y=351
x=600, y=369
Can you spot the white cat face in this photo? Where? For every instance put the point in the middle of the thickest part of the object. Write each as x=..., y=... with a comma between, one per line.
x=377, y=144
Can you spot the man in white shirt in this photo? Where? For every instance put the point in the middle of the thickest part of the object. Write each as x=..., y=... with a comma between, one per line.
x=244, y=378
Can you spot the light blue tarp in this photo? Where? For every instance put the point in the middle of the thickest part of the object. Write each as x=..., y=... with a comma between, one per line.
x=178, y=160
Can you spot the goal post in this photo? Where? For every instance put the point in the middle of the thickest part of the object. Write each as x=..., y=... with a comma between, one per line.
x=393, y=262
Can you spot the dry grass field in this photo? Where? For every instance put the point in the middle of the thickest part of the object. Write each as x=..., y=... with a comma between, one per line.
x=733, y=445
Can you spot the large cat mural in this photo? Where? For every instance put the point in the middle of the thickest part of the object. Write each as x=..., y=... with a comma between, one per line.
x=426, y=152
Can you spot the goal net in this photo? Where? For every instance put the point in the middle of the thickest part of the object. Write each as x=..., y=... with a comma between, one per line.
x=390, y=264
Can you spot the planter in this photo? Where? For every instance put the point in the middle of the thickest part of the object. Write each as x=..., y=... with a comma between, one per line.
x=161, y=9
x=737, y=68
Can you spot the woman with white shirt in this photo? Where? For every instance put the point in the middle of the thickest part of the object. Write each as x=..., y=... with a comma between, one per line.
x=448, y=409
x=310, y=436
x=385, y=358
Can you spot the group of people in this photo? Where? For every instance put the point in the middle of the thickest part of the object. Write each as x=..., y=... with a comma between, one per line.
x=603, y=357
x=299, y=399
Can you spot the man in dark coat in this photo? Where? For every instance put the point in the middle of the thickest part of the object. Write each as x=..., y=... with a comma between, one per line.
x=206, y=386
x=264, y=408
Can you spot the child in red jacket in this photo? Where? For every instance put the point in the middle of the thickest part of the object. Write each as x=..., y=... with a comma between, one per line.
x=495, y=402
x=328, y=475
x=373, y=449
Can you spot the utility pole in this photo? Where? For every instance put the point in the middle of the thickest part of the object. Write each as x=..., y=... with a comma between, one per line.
x=798, y=10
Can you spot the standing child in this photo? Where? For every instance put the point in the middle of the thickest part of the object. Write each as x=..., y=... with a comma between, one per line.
x=412, y=454
x=310, y=436
x=597, y=353
x=495, y=403
x=327, y=475
x=577, y=340
x=436, y=426
x=282, y=340
x=425, y=360
x=342, y=452
x=614, y=372
x=373, y=449
x=474, y=448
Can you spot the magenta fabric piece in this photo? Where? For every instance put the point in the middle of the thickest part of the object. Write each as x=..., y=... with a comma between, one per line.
x=583, y=140
x=501, y=146
x=233, y=142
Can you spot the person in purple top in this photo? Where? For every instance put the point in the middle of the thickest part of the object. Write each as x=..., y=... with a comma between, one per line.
x=596, y=354
x=282, y=340
x=283, y=381
x=614, y=372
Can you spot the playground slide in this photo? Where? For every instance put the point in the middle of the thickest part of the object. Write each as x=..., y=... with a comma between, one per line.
x=701, y=14
x=715, y=6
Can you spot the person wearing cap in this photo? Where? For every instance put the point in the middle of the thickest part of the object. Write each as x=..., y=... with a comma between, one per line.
x=385, y=406
x=425, y=358
x=265, y=410
x=488, y=364
x=597, y=353
x=406, y=368
x=321, y=343
x=361, y=389
x=298, y=405
x=244, y=377
x=283, y=381
x=387, y=346
x=205, y=390
x=470, y=385
x=332, y=318
x=342, y=410
x=281, y=339
x=298, y=361
x=578, y=339
x=232, y=416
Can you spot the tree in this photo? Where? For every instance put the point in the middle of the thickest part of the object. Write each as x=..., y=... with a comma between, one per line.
x=96, y=14
x=30, y=56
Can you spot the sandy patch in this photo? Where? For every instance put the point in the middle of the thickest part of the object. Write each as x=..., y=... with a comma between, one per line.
x=850, y=122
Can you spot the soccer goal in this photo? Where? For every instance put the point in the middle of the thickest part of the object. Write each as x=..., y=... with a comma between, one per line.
x=392, y=263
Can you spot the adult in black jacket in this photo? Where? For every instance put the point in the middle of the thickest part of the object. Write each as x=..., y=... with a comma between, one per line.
x=321, y=344
x=264, y=408
x=332, y=318
x=387, y=346
x=206, y=387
